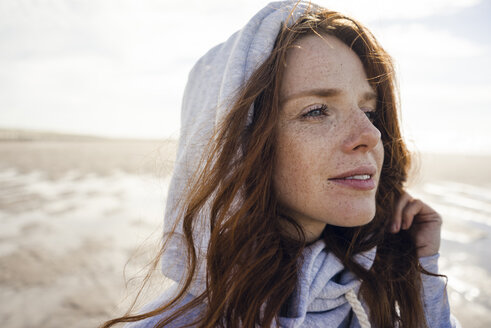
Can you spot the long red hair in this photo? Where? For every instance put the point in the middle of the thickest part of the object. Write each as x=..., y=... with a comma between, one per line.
x=251, y=264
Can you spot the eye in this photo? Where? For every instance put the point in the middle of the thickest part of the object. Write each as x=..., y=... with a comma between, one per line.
x=371, y=115
x=316, y=111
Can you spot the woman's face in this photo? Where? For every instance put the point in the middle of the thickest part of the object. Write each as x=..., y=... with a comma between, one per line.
x=329, y=154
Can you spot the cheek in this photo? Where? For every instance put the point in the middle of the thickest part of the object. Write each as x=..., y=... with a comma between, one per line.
x=381, y=153
x=297, y=165
x=289, y=171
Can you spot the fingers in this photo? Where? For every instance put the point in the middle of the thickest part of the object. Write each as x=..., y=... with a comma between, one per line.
x=398, y=215
x=423, y=221
x=412, y=208
x=406, y=210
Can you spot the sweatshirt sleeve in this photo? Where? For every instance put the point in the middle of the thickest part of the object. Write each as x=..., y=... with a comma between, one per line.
x=167, y=295
x=435, y=298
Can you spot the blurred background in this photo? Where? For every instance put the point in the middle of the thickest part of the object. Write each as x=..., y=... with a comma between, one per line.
x=90, y=95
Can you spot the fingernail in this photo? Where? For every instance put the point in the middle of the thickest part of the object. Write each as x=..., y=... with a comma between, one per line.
x=394, y=227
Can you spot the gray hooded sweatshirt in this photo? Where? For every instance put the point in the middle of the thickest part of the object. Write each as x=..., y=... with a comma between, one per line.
x=326, y=294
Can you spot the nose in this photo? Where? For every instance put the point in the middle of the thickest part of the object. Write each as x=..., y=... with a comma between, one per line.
x=362, y=134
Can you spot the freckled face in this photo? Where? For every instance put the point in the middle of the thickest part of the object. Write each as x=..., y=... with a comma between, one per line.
x=329, y=153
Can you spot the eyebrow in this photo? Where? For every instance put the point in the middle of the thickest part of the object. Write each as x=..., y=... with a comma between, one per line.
x=325, y=93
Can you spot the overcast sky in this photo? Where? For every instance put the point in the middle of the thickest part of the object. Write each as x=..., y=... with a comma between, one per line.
x=118, y=67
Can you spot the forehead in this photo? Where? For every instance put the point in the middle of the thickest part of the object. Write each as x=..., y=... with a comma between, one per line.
x=322, y=61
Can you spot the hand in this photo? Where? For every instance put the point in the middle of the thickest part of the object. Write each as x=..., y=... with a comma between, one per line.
x=423, y=223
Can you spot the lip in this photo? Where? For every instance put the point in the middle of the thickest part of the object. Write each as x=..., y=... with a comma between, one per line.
x=368, y=184
x=366, y=169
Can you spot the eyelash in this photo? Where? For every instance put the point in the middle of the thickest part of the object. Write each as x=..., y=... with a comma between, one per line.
x=322, y=110
x=371, y=115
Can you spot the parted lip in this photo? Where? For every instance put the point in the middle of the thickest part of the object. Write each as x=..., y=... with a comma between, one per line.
x=361, y=170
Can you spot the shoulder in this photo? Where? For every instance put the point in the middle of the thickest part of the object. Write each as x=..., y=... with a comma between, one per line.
x=166, y=296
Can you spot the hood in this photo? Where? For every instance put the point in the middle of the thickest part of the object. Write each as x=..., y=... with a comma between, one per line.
x=210, y=90
x=320, y=298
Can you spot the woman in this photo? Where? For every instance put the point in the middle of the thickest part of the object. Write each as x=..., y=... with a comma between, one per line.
x=287, y=205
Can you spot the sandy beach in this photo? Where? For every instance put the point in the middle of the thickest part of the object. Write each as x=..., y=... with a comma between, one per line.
x=81, y=218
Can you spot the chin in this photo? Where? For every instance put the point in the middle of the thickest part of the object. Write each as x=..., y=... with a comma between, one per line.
x=362, y=214
x=358, y=219
x=366, y=220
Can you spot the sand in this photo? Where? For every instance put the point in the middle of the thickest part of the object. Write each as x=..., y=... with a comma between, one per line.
x=73, y=213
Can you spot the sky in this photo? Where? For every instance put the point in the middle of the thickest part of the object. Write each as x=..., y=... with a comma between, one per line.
x=118, y=68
